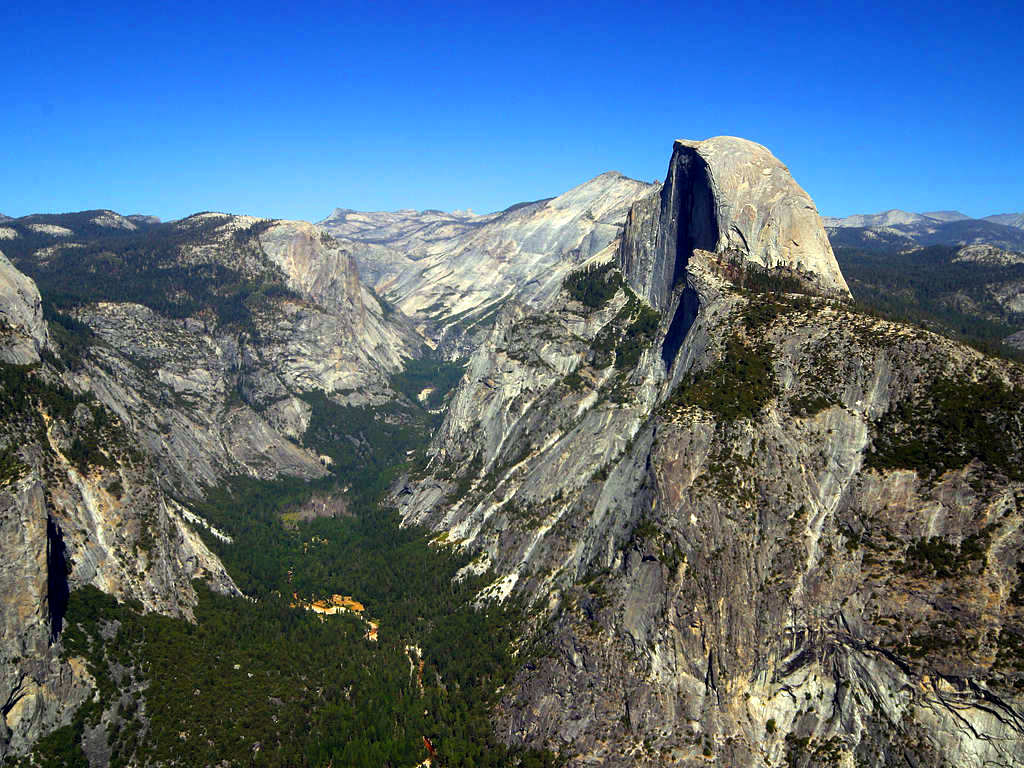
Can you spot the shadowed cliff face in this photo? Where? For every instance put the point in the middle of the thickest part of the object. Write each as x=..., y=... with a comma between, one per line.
x=661, y=234
x=728, y=197
x=663, y=230
x=56, y=577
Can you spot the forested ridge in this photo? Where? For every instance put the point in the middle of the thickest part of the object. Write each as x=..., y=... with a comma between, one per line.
x=145, y=267
x=928, y=287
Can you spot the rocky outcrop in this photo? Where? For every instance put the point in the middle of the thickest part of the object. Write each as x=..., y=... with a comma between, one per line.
x=740, y=588
x=318, y=267
x=60, y=529
x=38, y=690
x=314, y=264
x=23, y=332
x=988, y=255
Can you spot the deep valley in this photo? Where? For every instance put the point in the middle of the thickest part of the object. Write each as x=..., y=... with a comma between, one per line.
x=639, y=475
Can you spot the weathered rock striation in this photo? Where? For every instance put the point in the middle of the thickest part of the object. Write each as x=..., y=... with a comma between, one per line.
x=726, y=195
x=452, y=272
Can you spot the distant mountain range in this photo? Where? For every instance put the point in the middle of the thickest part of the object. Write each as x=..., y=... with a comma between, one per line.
x=451, y=272
x=896, y=217
x=904, y=229
x=1009, y=219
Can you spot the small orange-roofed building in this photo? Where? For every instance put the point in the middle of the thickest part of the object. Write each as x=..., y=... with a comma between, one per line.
x=337, y=604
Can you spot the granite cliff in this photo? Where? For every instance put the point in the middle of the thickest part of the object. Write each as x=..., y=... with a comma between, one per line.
x=725, y=195
x=21, y=316
x=79, y=504
x=752, y=523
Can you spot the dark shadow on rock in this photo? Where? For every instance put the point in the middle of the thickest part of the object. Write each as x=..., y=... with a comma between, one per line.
x=57, y=577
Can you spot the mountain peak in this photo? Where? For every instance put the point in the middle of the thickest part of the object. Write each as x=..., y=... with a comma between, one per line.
x=891, y=218
x=726, y=194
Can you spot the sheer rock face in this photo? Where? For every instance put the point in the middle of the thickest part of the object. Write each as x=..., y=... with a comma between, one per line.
x=23, y=332
x=319, y=268
x=314, y=264
x=725, y=195
x=61, y=529
x=736, y=588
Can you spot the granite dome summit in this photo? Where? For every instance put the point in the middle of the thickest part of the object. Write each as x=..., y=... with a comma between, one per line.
x=726, y=196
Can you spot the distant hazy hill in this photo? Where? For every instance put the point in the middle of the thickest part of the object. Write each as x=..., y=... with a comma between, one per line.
x=1008, y=219
x=892, y=218
x=946, y=215
x=896, y=228
x=896, y=217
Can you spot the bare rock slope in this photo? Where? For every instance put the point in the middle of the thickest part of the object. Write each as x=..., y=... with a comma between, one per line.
x=79, y=504
x=21, y=316
x=451, y=272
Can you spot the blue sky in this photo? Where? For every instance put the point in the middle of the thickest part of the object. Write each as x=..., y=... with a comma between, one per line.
x=291, y=111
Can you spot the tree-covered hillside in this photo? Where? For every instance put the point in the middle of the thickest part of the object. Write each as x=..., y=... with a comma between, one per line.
x=929, y=286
